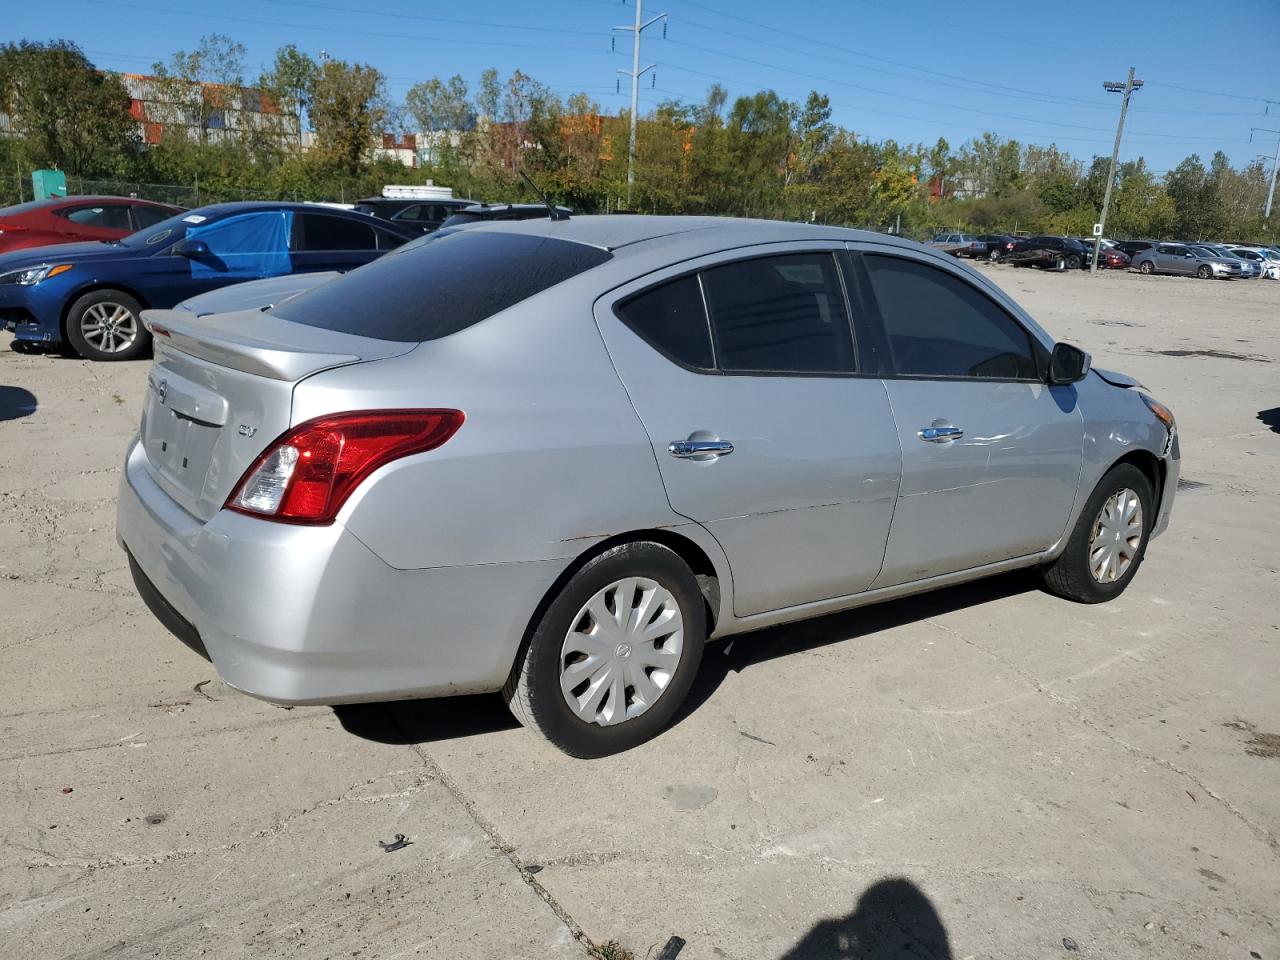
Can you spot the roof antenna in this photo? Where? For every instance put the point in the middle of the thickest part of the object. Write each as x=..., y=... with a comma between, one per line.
x=555, y=214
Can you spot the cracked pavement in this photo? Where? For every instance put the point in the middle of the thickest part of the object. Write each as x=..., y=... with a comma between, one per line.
x=1037, y=772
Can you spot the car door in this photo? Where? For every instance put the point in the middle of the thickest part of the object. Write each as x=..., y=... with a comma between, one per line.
x=322, y=241
x=766, y=431
x=991, y=455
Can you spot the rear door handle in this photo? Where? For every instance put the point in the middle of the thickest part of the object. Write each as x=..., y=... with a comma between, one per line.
x=941, y=434
x=699, y=449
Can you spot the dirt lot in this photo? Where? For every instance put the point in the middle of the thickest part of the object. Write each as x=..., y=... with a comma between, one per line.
x=984, y=772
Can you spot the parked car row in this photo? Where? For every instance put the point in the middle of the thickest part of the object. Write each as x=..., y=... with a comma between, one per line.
x=1200, y=259
x=77, y=272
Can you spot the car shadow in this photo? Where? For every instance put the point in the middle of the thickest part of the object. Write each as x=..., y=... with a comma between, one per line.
x=1271, y=418
x=16, y=403
x=892, y=920
x=406, y=722
x=744, y=651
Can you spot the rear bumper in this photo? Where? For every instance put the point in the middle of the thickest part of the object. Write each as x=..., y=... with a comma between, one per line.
x=297, y=615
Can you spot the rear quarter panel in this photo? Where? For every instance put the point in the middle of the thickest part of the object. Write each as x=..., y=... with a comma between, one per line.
x=551, y=458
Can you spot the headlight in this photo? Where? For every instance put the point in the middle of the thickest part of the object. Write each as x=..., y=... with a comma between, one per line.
x=29, y=276
x=1163, y=413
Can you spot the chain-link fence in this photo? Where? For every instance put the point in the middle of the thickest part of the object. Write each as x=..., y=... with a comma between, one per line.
x=15, y=188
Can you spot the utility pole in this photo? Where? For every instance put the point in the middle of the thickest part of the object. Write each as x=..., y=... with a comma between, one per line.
x=635, y=73
x=1271, y=193
x=1127, y=89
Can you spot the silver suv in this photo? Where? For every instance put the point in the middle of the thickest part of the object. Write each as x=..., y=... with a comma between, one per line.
x=554, y=458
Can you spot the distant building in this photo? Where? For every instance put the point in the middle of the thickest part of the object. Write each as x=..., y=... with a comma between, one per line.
x=205, y=111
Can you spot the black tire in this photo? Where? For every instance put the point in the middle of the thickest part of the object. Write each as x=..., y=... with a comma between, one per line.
x=80, y=321
x=1147, y=267
x=1205, y=272
x=533, y=690
x=1073, y=262
x=1069, y=576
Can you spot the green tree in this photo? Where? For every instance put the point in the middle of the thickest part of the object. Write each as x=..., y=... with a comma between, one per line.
x=66, y=114
x=204, y=89
x=291, y=75
x=348, y=108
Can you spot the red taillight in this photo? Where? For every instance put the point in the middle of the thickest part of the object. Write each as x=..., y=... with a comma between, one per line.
x=310, y=471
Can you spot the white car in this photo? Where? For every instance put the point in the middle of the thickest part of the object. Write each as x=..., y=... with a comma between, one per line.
x=1267, y=259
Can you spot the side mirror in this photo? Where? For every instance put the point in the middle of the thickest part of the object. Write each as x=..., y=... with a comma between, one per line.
x=1068, y=364
x=191, y=248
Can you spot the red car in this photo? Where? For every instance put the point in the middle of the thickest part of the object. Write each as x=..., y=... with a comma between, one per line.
x=72, y=219
x=1113, y=259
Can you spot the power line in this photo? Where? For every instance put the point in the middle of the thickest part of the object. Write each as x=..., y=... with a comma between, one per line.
x=1208, y=93
x=931, y=102
x=416, y=16
x=224, y=18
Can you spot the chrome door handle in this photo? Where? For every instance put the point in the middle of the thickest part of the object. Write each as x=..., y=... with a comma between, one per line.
x=694, y=449
x=939, y=434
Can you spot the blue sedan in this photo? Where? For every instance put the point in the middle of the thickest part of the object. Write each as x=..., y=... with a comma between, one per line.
x=88, y=297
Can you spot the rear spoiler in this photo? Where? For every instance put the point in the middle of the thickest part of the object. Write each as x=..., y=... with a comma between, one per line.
x=221, y=339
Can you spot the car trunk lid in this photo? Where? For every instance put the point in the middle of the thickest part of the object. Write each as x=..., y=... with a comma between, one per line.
x=221, y=389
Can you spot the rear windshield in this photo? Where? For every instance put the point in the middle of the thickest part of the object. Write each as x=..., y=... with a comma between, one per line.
x=440, y=284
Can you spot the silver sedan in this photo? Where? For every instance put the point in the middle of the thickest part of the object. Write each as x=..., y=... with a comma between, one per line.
x=554, y=458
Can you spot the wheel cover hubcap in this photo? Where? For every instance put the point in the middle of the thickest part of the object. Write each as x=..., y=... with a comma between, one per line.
x=1116, y=536
x=109, y=327
x=623, y=649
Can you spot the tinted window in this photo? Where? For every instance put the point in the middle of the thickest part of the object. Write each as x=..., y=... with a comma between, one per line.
x=942, y=326
x=109, y=216
x=672, y=319
x=144, y=217
x=317, y=231
x=388, y=240
x=780, y=314
x=441, y=284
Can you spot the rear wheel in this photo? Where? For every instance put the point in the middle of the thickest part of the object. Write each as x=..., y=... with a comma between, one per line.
x=1147, y=267
x=1109, y=540
x=107, y=325
x=1205, y=273
x=613, y=657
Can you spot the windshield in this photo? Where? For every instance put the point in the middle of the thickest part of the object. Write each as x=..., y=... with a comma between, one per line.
x=441, y=284
x=164, y=232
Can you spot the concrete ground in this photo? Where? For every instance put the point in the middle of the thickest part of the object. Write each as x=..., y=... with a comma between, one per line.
x=982, y=772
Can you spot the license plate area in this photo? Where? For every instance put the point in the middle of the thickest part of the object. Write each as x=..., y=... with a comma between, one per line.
x=180, y=428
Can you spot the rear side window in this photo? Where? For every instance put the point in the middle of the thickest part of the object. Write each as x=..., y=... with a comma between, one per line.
x=109, y=216
x=672, y=319
x=318, y=232
x=441, y=284
x=942, y=326
x=783, y=314
x=144, y=217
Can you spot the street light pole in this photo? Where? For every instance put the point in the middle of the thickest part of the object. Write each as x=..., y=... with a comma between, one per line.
x=1271, y=193
x=1127, y=88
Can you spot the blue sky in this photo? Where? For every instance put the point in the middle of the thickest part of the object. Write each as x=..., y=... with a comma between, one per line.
x=912, y=72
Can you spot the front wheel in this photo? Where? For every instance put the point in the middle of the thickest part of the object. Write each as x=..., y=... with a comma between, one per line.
x=107, y=325
x=1109, y=540
x=1205, y=273
x=1073, y=262
x=613, y=657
